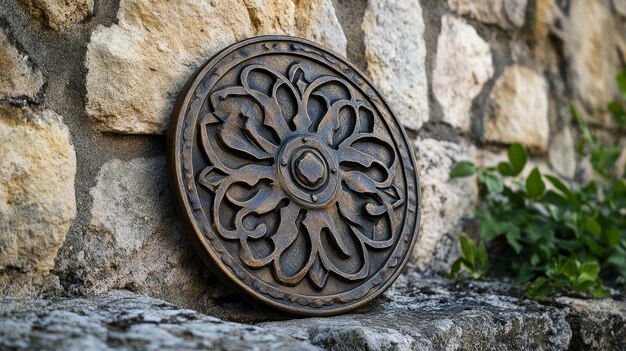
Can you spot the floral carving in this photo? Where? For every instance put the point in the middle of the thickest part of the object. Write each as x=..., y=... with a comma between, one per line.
x=302, y=172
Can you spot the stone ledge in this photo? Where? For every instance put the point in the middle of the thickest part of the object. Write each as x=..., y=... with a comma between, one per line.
x=125, y=321
x=435, y=314
x=416, y=314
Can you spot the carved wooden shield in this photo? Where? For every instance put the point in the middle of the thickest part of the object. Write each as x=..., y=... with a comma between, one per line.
x=296, y=181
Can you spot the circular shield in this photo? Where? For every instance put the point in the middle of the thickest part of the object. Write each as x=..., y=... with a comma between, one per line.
x=296, y=181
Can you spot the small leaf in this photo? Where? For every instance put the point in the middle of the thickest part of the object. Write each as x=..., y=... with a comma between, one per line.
x=591, y=269
x=612, y=236
x=539, y=288
x=456, y=266
x=621, y=82
x=506, y=169
x=534, y=184
x=463, y=169
x=467, y=248
x=512, y=237
x=493, y=183
x=591, y=225
x=618, y=113
x=564, y=189
x=590, y=138
x=488, y=227
x=617, y=261
x=517, y=157
x=482, y=256
x=535, y=260
x=580, y=147
x=555, y=199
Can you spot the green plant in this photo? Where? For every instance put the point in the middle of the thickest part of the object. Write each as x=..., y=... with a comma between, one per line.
x=548, y=234
x=473, y=259
x=569, y=274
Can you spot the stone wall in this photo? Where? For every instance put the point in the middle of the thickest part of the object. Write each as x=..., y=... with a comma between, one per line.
x=86, y=89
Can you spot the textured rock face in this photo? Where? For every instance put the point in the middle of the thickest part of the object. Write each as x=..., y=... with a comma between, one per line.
x=138, y=66
x=417, y=313
x=125, y=321
x=397, y=65
x=37, y=203
x=424, y=315
x=133, y=240
x=620, y=6
x=20, y=80
x=60, y=14
x=591, y=39
x=562, y=154
x=596, y=325
x=445, y=203
x=504, y=13
x=518, y=110
x=463, y=66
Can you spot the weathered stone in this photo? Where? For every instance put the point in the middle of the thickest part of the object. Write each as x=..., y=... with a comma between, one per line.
x=545, y=13
x=60, y=14
x=122, y=320
x=507, y=14
x=37, y=203
x=17, y=283
x=518, y=109
x=620, y=7
x=20, y=80
x=431, y=315
x=596, y=324
x=134, y=241
x=562, y=153
x=445, y=203
x=316, y=20
x=395, y=52
x=138, y=66
x=463, y=66
x=591, y=37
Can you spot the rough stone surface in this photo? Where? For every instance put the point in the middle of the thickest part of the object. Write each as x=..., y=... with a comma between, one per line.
x=424, y=314
x=134, y=241
x=60, y=14
x=37, y=203
x=397, y=66
x=122, y=320
x=620, y=7
x=137, y=67
x=507, y=14
x=562, y=154
x=463, y=65
x=20, y=80
x=591, y=39
x=546, y=14
x=596, y=325
x=518, y=109
x=445, y=203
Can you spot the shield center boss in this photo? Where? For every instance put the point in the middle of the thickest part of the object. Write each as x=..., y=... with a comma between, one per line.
x=295, y=180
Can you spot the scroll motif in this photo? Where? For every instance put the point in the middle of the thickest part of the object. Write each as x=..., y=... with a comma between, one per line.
x=302, y=174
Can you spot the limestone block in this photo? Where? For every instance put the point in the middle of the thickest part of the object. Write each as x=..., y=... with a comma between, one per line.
x=395, y=52
x=37, y=203
x=445, y=203
x=463, y=65
x=20, y=79
x=518, y=109
x=137, y=67
x=60, y=14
